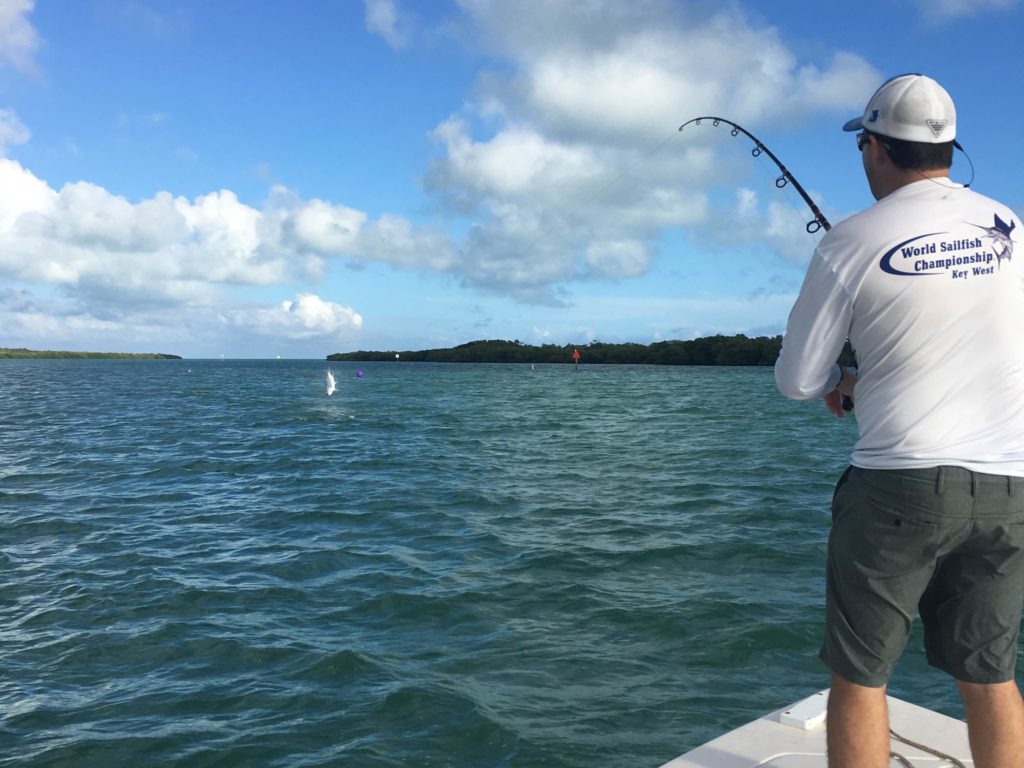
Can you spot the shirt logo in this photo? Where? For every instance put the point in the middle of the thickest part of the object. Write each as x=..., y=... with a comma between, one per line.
x=999, y=235
x=936, y=253
x=943, y=253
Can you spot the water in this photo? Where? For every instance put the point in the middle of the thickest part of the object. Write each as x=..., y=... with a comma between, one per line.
x=211, y=563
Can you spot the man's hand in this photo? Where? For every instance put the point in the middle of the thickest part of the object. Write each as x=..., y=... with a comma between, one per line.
x=834, y=399
x=834, y=402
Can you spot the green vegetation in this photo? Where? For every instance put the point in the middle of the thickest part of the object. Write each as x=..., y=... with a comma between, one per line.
x=711, y=350
x=48, y=354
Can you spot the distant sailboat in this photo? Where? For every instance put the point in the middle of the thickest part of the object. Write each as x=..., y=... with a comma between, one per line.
x=330, y=383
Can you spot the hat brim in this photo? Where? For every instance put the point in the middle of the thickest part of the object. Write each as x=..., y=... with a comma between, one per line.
x=857, y=124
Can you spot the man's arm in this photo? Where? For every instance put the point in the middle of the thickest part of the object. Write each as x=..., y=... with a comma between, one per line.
x=817, y=329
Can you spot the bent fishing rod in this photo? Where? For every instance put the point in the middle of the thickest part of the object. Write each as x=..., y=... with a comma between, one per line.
x=819, y=221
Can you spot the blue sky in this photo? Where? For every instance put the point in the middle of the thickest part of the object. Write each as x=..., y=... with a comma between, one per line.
x=300, y=178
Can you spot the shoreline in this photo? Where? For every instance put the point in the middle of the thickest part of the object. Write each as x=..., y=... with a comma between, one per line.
x=48, y=354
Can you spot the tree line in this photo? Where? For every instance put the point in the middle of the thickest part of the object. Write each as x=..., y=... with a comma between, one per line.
x=709, y=350
x=32, y=354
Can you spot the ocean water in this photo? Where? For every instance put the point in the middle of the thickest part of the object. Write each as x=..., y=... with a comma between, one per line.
x=212, y=563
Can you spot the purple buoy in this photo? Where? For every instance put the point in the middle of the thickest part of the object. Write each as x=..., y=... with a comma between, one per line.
x=359, y=374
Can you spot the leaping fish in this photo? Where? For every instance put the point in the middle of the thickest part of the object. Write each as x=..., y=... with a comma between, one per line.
x=330, y=383
x=999, y=232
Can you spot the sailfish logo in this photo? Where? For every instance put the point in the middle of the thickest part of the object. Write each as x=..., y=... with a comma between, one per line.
x=999, y=234
x=874, y=116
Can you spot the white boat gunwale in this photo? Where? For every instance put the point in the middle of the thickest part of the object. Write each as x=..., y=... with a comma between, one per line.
x=794, y=737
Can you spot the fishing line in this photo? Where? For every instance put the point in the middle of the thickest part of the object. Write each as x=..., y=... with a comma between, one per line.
x=768, y=174
x=629, y=169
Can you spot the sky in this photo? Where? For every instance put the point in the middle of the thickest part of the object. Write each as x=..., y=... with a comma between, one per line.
x=294, y=179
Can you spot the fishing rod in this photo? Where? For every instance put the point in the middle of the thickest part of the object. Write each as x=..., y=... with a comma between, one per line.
x=819, y=221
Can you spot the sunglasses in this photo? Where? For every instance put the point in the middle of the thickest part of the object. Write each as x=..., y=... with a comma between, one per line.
x=864, y=137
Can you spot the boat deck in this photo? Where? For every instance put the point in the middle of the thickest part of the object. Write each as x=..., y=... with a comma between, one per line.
x=794, y=737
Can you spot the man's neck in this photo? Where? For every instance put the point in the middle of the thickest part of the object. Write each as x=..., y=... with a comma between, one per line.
x=901, y=178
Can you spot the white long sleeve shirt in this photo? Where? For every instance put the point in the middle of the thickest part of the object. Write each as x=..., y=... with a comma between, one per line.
x=928, y=284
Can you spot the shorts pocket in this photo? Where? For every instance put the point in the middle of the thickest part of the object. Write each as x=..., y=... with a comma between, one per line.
x=884, y=534
x=910, y=499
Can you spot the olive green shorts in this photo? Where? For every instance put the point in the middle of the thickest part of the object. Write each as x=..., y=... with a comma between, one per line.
x=944, y=543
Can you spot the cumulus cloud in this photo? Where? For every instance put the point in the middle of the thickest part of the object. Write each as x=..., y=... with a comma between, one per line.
x=83, y=235
x=620, y=258
x=778, y=224
x=305, y=317
x=122, y=265
x=12, y=131
x=559, y=167
x=64, y=322
x=395, y=240
x=553, y=158
x=384, y=18
x=516, y=162
x=326, y=228
x=622, y=74
x=21, y=193
x=19, y=40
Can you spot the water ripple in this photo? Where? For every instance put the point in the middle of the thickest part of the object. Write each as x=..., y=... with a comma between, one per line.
x=212, y=564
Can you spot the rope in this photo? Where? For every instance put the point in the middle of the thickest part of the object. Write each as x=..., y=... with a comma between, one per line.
x=917, y=745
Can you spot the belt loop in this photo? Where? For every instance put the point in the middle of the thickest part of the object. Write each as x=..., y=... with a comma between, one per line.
x=974, y=484
x=940, y=478
x=1010, y=485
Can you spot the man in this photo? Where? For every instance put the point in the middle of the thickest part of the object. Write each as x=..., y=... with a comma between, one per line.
x=928, y=285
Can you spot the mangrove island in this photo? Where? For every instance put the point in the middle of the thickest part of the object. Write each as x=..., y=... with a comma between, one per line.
x=710, y=350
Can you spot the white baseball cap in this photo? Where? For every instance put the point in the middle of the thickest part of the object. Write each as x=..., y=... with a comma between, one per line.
x=909, y=107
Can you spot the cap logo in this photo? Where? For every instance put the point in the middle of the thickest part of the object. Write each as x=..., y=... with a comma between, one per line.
x=874, y=117
x=937, y=126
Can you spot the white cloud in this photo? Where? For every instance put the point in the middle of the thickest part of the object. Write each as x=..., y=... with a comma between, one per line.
x=944, y=10
x=19, y=40
x=12, y=131
x=621, y=74
x=128, y=269
x=307, y=316
x=521, y=251
x=65, y=323
x=553, y=156
x=395, y=240
x=165, y=246
x=21, y=193
x=384, y=18
x=517, y=162
x=779, y=225
x=302, y=326
x=621, y=258
x=550, y=162
x=326, y=228
x=846, y=84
